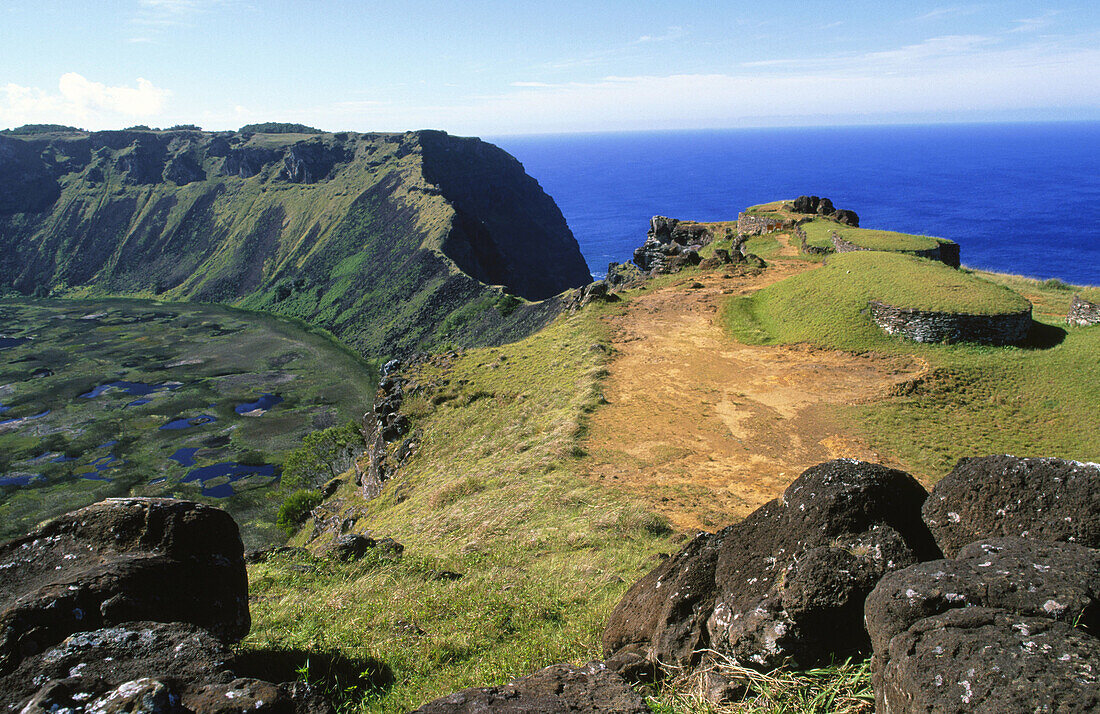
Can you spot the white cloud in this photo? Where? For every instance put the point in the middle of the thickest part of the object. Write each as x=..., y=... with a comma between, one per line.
x=1031, y=24
x=82, y=102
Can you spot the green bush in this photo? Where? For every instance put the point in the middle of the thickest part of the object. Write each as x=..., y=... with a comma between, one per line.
x=296, y=508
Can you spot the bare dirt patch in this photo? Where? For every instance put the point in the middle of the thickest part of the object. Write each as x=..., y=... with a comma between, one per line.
x=707, y=429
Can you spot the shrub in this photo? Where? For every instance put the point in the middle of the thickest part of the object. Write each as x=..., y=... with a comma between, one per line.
x=296, y=508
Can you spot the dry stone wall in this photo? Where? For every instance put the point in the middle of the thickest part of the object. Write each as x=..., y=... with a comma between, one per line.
x=750, y=225
x=1083, y=313
x=931, y=326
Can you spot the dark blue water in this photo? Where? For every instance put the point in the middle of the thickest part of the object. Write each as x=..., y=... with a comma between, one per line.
x=188, y=422
x=33, y=416
x=1019, y=198
x=6, y=342
x=265, y=402
x=139, y=389
x=184, y=456
x=230, y=469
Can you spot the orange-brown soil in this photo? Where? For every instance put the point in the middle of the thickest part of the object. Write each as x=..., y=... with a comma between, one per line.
x=707, y=429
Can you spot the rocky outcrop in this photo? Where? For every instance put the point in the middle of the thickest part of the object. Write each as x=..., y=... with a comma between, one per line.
x=1041, y=498
x=1009, y=625
x=824, y=207
x=784, y=586
x=948, y=327
x=590, y=688
x=377, y=237
x=1083, y=313
x=130, y=605
x=389, y=443
x=670, y=244
x=146, y=667
x=847, y=217
x=120, y=560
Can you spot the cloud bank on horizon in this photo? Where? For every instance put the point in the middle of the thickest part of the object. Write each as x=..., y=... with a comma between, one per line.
x=490, y=67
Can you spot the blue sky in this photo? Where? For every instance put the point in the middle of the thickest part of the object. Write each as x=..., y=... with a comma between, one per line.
x=486, y=67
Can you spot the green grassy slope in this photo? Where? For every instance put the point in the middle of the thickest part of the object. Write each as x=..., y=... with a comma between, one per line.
x=819, y=232
x=828, y=306
x=495, y=494
x=1034, y=400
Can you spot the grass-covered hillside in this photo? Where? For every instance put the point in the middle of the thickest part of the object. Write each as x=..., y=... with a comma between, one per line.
x=380, y=238
x=518, y=541
x=819, y=232
x=828, y=306
x=1029, y=400
x=512, y=557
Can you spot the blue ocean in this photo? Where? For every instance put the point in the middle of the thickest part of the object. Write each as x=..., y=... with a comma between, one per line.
x=1018, y=198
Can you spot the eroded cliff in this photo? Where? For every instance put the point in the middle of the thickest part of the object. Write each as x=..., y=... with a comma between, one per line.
x=391, y=241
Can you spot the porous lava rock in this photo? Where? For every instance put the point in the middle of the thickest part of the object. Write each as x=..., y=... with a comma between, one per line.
x=145, y=667
x=1044, y=498
x=561, y=688
x=784, y=586
x=847, y=217
x=120, y=560
x=1008, y=625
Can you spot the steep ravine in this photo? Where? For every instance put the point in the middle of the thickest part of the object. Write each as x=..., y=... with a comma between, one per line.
x=394, y=242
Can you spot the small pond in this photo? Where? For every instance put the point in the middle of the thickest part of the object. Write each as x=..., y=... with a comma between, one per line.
x=188, y=422
x=265, y=402
x=137, y=389
x=230, y=470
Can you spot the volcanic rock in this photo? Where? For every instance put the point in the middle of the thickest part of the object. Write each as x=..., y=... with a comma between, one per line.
x=118, y=560
x=785, y=585
x=1009, y=625
x=560, y=688
x=1043, y=498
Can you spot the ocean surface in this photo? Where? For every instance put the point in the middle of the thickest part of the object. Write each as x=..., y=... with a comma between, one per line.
x=1018, y=198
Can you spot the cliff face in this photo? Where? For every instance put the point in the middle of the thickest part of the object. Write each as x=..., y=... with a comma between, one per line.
x=391, y=241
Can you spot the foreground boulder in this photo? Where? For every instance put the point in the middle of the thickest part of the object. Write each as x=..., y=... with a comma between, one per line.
x=784, y=586
x=145, y=667
x=1043, y=498
x=1007, y=626
x=120, y=560
x=560, y=688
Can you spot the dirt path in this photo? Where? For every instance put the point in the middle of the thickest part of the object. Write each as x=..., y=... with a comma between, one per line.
x=707, y=429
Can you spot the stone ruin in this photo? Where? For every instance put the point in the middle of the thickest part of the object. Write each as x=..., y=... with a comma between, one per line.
x=949, y=327
x=1083, y=313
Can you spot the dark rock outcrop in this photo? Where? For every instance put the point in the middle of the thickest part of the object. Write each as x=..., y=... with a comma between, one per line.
x=670, y=244
x=824, y=207
x=1043, y=498
x=561, y=688
x=145, y=667
x=1009, y=625
x=120, y=560
x=785, y=585
x=847, y=217
x=1083, y=313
